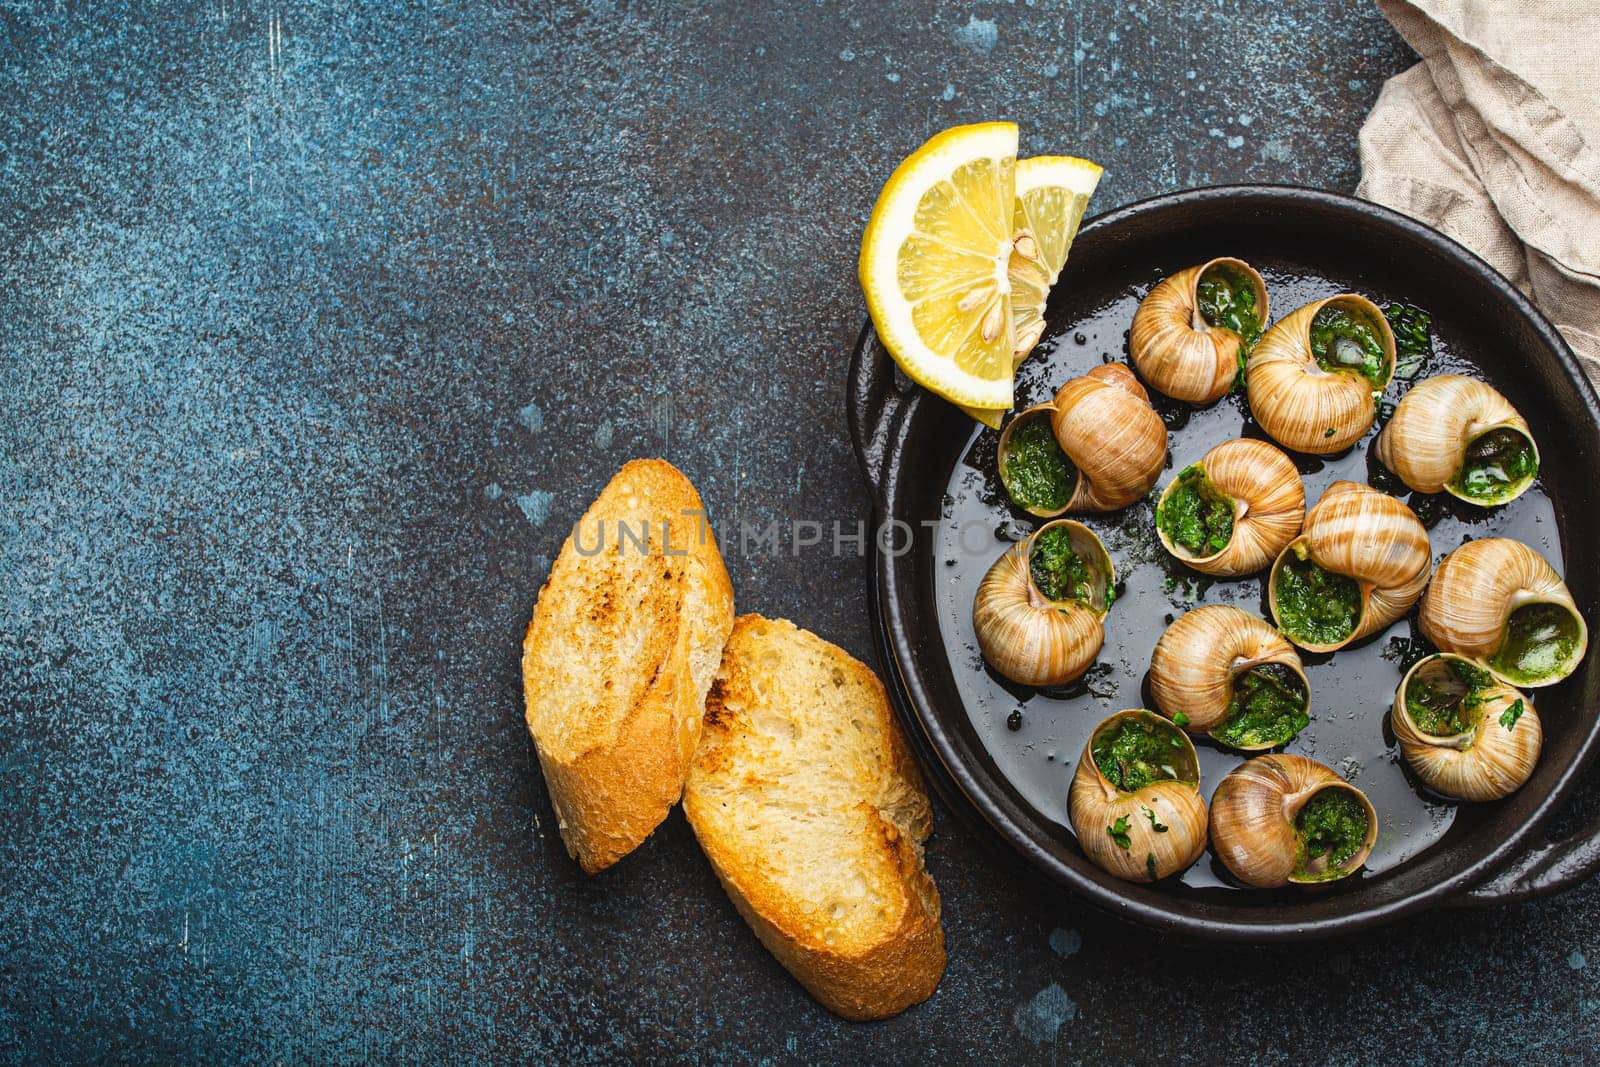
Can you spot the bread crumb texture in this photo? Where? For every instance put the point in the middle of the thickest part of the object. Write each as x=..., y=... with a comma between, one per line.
x=624, y=643
x=808, y=804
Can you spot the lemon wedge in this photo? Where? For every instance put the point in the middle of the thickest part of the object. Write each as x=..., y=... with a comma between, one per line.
x=1052, y=193
x=935, y=264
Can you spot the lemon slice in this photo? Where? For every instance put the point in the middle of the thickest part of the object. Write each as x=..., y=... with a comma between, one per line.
x=1052, y=194
x=935, y=264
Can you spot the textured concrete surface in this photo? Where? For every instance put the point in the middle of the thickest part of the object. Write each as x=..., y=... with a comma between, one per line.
x=319, y=326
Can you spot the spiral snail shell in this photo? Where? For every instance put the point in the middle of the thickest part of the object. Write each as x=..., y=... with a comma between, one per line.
x=1039, y=612
x=1223, y=672
x=1116, y=442
x=1284, y=818
x=1190, y=331
x=1232, y=511
x=1458, y=435
x=1464, y=732
x=1359, y=565
x=1313, y=377
x=1499, y=602
x=1135, y=801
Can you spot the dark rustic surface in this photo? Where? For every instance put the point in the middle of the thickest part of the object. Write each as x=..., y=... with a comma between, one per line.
x=318, y=328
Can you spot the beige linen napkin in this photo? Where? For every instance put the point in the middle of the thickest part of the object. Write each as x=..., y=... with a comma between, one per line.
x=1494, y=138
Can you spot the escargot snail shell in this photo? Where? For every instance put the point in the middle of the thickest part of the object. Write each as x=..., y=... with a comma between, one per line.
x=1356, y=531
x=1176, y=349
x=1300, y=405
x=1253, y=816
x=1030, y=638
x=1472, y=597
x=1269, y=506
x=1426, y=440
x=1198, y=658
x=1492, y=757
x=1105, y=424
x=1095, y=805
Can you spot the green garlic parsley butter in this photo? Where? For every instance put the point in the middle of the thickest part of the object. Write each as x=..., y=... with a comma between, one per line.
x=1037, y=474
x=1333, y=824
x=1345, y=341
x=1136, y=752
x=1058, y=571
x=1195, y=514
x=1316, y=606
x=1268, y=708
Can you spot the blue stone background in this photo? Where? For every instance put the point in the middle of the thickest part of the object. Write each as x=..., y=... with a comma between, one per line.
x=320, y=324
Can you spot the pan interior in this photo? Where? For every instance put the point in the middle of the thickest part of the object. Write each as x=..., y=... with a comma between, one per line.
x=954, y=489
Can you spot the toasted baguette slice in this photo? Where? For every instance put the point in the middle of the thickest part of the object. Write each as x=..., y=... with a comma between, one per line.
x=804, y=798
x=623, y=645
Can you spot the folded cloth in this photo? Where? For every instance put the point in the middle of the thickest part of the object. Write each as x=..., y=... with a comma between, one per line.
x=1494, y=138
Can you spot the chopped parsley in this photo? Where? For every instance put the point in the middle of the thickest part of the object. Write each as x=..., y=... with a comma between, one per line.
x=1058, y=571
x=1268, y=708
x=1135, y=751
x=1226, y=297
x=1348, y=342
x=1035, y=471
x=1413, y=340
x=1196, y=515
x=1509, y=717
x=1443, y=694
x=1315, y=606
x=1119, y=832
x=1496, y=465
x=1333, y=824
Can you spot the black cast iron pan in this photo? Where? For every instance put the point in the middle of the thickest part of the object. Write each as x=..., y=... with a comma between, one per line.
x=945, y=518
